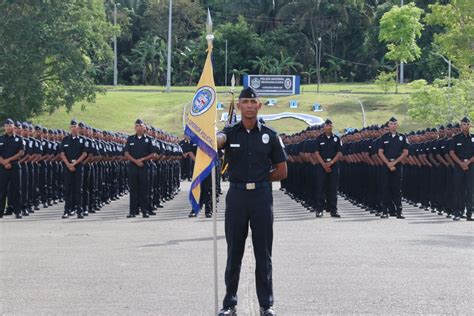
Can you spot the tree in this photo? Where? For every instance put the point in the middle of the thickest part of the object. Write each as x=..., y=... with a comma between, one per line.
x=385, y=81
x=148, y=59
x=456, y=41
x=48, y=54
x=399, y=28
x=439, y=104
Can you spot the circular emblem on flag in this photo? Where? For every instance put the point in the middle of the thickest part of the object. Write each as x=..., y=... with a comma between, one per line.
x=265, y=138
x=288, y=83
x=203, y=100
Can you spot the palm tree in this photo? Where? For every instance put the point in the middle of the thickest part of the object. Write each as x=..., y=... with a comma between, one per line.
x=262, y=65
x=238, y=73
x=311, y=71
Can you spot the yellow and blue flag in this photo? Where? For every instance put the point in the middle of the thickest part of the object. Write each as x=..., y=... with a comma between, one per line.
x=201, y=128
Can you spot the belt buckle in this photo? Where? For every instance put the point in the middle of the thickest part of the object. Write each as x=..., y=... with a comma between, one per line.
x=74, y=160
x=328, y=159
x=250, y=186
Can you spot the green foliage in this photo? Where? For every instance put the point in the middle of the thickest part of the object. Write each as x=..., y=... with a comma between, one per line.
x=385, y=81
x=400, y=27
x=438, y=103
x=456, y=41
x=49, y=54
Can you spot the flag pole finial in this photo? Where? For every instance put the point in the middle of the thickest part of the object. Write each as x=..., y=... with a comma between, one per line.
x=210, y=35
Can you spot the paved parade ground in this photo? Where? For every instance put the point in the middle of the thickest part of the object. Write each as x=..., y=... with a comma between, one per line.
x=106, y=264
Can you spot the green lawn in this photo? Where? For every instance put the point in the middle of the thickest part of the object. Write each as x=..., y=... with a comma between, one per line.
x=118, y=109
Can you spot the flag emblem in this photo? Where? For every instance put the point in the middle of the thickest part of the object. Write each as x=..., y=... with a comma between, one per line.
x=203, y=100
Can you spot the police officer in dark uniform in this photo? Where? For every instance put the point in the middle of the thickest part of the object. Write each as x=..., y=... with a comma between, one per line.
x=328, y=153
x=462, y=153
x=138, y=151
x=72, y=155
x=11, y=150
x=256, y=158
x=393, y=150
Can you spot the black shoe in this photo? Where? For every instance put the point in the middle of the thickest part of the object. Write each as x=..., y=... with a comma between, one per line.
x=86, y=213
x=384, y=216
x=130, y=215
x=456, y=218
x=192, y=214
x=440, y=213
x=208, y=215
x=73, y=213
x=151, y=213
x=400, y=216
x=335, y=215
x=25, y=213
x=65, y=216
x=319, y=214
x=469, y=219
x=18, y=216
x=377, y=214
x=228, y=311
x=79, y=215
x=159, y=206
x=267, y=311
x=145, y=215
x=91, y=211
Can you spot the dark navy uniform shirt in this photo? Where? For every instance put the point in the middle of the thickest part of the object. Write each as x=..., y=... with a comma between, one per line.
x=328, y=146
x=393, y=145
x=10, y=146
x=72, y=147
x=252, y=154
x=463, y=146
x=139, y=147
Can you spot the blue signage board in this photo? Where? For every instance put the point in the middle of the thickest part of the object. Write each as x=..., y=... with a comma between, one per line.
x=267, y=85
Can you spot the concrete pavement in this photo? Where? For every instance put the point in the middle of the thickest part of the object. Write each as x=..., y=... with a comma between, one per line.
x=358, y=264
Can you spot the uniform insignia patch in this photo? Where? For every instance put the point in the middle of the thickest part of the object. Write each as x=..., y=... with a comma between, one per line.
x=265, y=138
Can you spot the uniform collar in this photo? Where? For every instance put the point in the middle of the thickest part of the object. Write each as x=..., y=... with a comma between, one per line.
x=259, y=125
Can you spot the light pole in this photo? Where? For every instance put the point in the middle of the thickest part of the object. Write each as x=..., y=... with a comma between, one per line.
x=225, y=79
x=401, y=63
x=318, y=60
x=168, y=70
x=449, y=81
x=115, y=47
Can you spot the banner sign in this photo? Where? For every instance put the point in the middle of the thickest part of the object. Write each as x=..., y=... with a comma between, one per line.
x=267, y=85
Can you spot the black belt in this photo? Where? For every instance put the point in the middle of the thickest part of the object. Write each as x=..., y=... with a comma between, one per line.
x=250, y=185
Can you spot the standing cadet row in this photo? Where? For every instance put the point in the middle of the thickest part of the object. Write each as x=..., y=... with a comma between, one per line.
x=434, y=172
x=85, y=168
x=430, y=169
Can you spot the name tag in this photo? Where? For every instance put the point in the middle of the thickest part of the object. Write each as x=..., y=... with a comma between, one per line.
x=1, y=143
x=459, y=144
x=131, y=144
x=234, y=145
x=66, y=145
x=385, y=142
x=322, y=143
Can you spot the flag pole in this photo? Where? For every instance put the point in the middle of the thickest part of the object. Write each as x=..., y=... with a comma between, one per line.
x=210, y=38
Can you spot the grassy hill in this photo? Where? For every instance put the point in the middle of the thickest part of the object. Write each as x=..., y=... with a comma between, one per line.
x=120, y=106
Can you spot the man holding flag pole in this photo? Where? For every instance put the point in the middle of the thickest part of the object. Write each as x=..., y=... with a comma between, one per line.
x=255, y=158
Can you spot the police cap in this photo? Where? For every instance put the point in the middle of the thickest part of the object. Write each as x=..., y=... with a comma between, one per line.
x=248, y=93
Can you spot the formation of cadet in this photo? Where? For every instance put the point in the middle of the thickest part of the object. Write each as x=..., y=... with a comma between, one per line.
x=431, y=169
x=84, y=167
x=313, y=168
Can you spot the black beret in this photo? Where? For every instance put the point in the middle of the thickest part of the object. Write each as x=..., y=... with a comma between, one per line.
x=392, y=119
x=25, y=125
x=38, y=127
x=139, y=122
x=50, y=131
x=418, y=133
x=81, y=124
x=411, y=133
x=327, y=121
x=18, y=124
x=441, y=128
x=73, y=122
x=44, y=130
x=449, y=125
x=434, y=130
x=9, y=122
x=457, y=125
x=465, y=120
x=248, y=93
